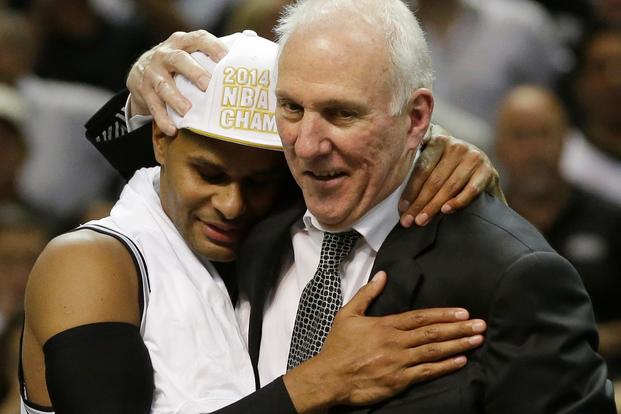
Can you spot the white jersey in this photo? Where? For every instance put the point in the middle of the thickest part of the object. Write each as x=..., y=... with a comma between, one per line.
x=199, y=355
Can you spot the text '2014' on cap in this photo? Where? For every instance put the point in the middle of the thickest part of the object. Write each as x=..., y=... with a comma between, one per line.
x=240, y=102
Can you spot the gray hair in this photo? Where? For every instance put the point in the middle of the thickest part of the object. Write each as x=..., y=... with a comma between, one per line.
x=411, y=67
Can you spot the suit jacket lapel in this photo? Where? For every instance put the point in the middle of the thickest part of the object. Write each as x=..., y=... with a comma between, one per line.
x=397, y=257
x=270, y=241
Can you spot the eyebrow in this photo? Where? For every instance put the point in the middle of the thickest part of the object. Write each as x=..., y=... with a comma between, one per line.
x=205, y=163
x=330, y=103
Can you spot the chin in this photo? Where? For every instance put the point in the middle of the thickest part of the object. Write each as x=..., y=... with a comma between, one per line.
x=329, y=218
x=214, y=252
x=333, y=208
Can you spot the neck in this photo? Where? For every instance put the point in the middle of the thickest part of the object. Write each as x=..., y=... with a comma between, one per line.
x=541, y=209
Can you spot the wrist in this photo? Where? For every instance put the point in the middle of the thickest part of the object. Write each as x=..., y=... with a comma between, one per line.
x=134, y=108
x=133, y=120
x=312, y=389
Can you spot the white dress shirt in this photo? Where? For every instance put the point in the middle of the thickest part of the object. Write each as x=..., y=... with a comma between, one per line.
x=307, y=235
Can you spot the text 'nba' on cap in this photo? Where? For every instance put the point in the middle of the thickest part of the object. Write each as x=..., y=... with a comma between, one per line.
x=240, y=102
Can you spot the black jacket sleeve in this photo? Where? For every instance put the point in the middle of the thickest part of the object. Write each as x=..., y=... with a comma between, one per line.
x=107, y=131
x=273, y=398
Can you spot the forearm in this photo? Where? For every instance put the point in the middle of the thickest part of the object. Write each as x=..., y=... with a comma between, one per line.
x=273, y=398
x=125, y=151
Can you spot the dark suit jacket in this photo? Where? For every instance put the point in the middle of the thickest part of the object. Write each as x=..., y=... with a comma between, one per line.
x=539, y=353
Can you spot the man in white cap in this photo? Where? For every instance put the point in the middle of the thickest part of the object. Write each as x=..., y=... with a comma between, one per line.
x=129, y=314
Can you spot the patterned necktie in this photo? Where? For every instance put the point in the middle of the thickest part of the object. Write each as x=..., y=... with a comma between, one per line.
x=321, y=299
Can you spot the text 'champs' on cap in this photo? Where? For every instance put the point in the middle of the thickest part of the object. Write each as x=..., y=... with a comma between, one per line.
x=240, y=102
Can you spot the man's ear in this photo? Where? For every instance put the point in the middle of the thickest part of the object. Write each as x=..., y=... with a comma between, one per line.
x=419, y=110
x=160, y=144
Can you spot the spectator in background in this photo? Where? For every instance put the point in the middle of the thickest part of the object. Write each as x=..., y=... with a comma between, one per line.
x=592, y=158
x=22, y=238
x=586, y=229
x=573, y=18
x=62, y=172
x=482, y=48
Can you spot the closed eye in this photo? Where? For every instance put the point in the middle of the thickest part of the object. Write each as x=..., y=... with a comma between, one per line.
x=340, y=116
x=343, y=113
x=289, y=106
x=214, y=178
x=210, y=173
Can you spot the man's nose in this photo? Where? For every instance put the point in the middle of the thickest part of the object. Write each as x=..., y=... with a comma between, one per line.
x=229, y=201
x=312, y=140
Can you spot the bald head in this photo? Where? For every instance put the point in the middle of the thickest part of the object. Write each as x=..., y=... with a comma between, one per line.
x=530, y=129
x=537, y=107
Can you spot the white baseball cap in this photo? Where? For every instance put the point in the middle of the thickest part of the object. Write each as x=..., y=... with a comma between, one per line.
x=240, y=102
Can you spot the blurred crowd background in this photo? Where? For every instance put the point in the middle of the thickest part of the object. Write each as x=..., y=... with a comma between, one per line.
x=536, y=84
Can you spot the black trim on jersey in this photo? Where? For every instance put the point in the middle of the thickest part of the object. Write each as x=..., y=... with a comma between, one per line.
x=131, y=248
x=22, y=384
x=126, y=241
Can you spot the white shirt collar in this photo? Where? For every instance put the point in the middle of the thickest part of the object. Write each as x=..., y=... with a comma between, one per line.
x=377, y=223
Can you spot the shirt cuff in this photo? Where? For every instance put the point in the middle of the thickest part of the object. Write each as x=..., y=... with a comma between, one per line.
x=135, y=121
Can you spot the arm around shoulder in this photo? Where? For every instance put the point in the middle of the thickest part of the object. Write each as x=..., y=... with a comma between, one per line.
x=126, y=151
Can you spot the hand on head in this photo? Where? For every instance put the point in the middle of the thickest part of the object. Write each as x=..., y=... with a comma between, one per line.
x=151, y=79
